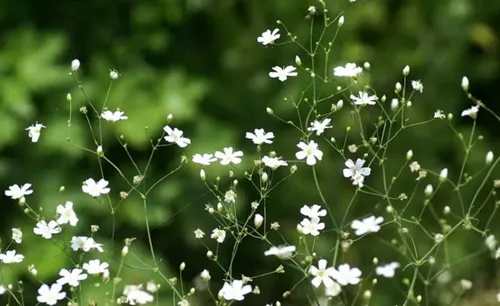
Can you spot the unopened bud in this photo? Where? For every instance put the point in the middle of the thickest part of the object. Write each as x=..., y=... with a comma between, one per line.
x=465, y=83
x=257, y=221
x=406, y=70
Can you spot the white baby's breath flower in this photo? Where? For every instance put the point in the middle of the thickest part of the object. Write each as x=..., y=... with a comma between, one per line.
x=356, y=172
x=17, y=235
x=72, y=278
x=273, y=162
x=282, y=252
x=96, y=267
x=282, y=73
x=235, y=290
x=50, y=295
x=46, y=230
x=66, y=214
x=204, y=160
x=417, y=86
x=75, y=65
x=471, y=112
x=345, y=275
x=10, y=257
x=95, y=189
x=367, y=225
x=322, y=274
x=176, y=136
x=387, y=270
x=320, y=126
x=218, y=235
x=268, y=37
x=364, y=98
x=229, y=156
x=313, y=212
x=259, y=136
x=439, y=114
x=198, y=234
x=414, y=166
x=310, y=152
x=113, y=116
x=350, y=70
x=113, y=74
x=17, y=192
x=311, y=226
x=34, y=131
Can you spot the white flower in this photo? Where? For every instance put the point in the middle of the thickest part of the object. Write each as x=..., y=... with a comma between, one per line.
x=268, y=37
x=50, y=295
x=10, y=257
x=414, y=166
x=466, y=284
x=282, y=73
x=349, y=71
x=175, y=136
x=367, y=225
x=235, y=291
x=16, y=192
x=113, y=74
x=417, y=86
x=75, y=64
x=356, y=171
x=72, y=277
x=135, y=295
x=219, y=235
x=198, y=234
x=310, y=152
x=273, y=162
x=34, y=131
x=438, y=238
x=439, y=114
x=322, y=274
x=183, y=302
x=313, y=212
x=491, y=242
x=282, y=252
x=17, y=235
x=46, y=230
x=472, y=112
x=229, y=156
x=113, y=116
x=387, y=270
x=85, y=244
x=319, y=127
x=333, y=290
x=205, y=275
x=205, y=159
x=346, y=276
x=260, y=136
x=2, y=289
x=311, y=227
x=66, y=214
x=94, y=188
x=364, y=99
x=95, y=267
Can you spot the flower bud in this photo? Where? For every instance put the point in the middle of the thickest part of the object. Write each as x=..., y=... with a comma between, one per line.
x=367, y=66
x=269, y=110
x=428, y=190
x=465, y=83
x=257, y=221
x=124, y=251
x=443, y=175
x=202, y=175
x=409, y=155
x=394, y=104
x=75, y=64
x=341, y=20
x=182, y=266
x=406, y=70
x=398, y=87
x=298, y=61
x=489, y=158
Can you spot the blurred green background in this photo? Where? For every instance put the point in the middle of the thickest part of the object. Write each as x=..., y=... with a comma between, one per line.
x=199, y=60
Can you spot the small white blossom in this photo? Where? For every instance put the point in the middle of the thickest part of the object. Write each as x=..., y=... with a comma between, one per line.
x=205, y=159
x=439, y=114
x=198, y=234
x=364, y=99
x=310, y=152
x=472, y=112
x=311, y=227
x=320, y=126
x=94, y=188
x=176, y=136
x=282, y=74
x=66, y=214
x=322, y=274
x=17, y=192
x=17, y=235
x=313, y=212
x=113, y=74
x=367, y=225
x=350, y=70
x=260, y=136
x=273, y=162
x=50, y=295
x=95, y=267
x=46, y=230
x=345, y=275
x=356, y=172
x=387, y=270
x=417, y=86
x=113, y=116
x=11, y=257
x=85, y=244
x=282, y=252
x=414, y=166
x=235, y=290
x=491, y=242
x=72, y=277
x=219, y=235
x=229, y=156
x=34, y=131
x=268, y=37
x=136, y=296
x=205, y=275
